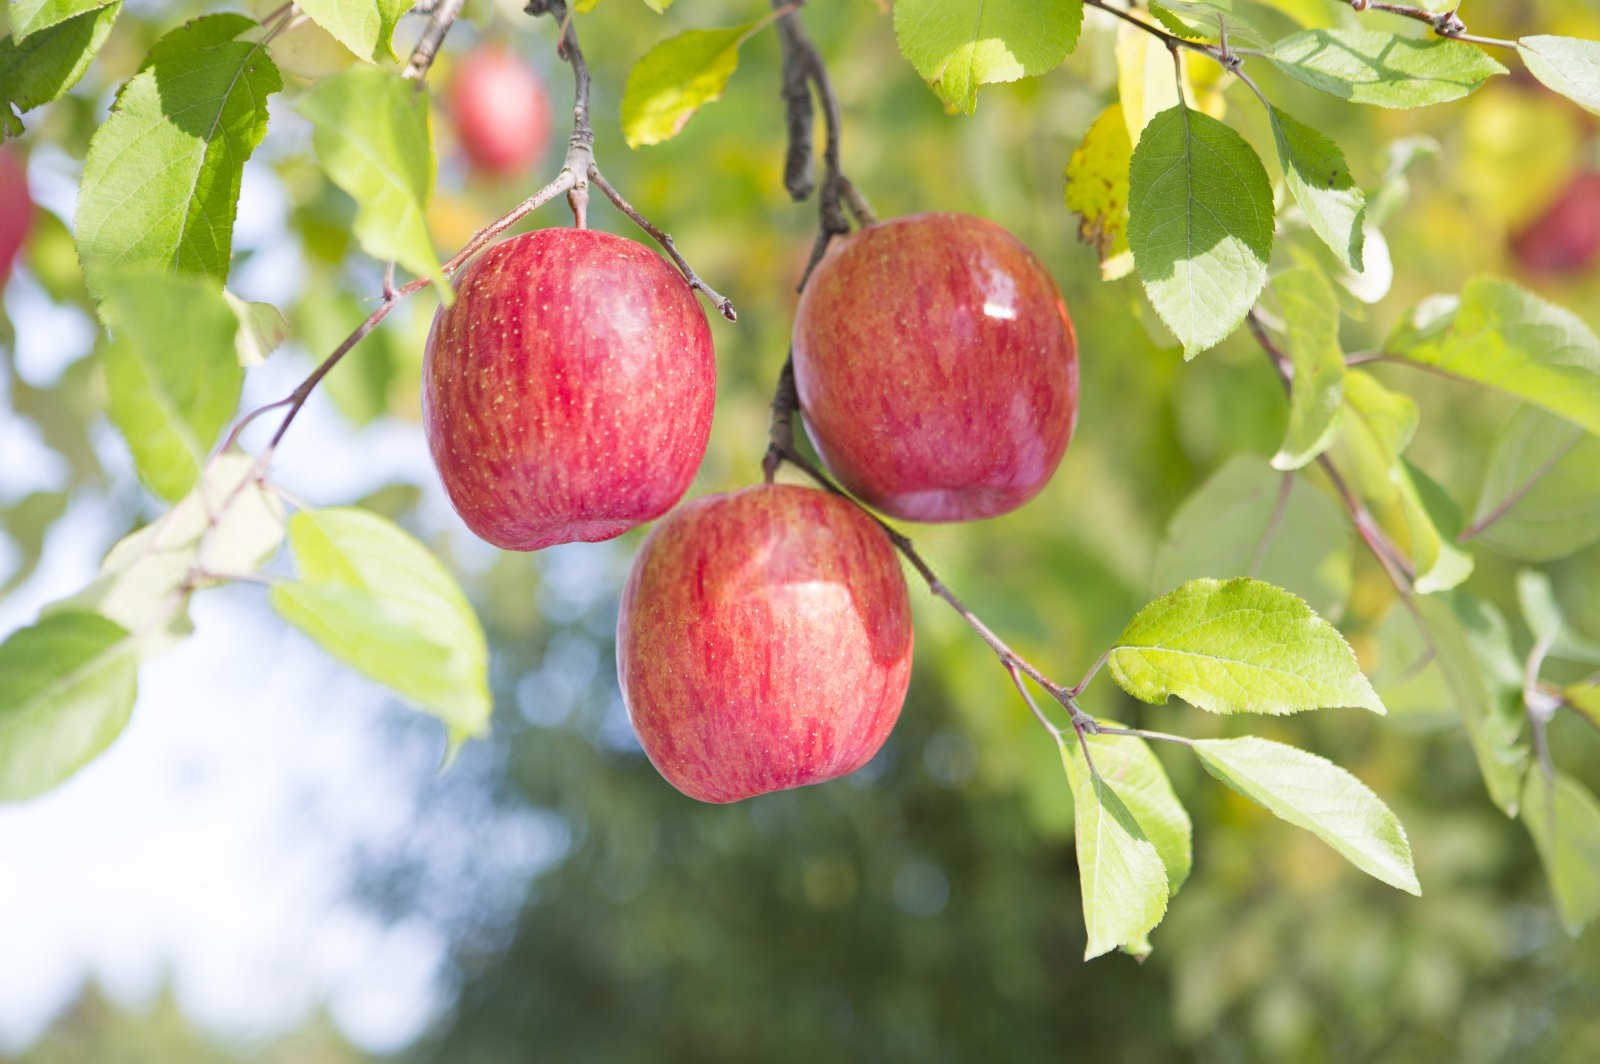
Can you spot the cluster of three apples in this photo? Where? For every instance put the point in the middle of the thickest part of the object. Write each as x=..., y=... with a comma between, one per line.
x=764, y=637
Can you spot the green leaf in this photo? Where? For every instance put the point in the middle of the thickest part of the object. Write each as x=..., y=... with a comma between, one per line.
x=1097, y=191
x=1537, y=597
x=371, y=134
x=1314, y=793
x=676, y=78
x=228, y=526
x=262, y=328
x=1238, y=646
x=161, y=180
x=1121, y=874
x=25, y=524
x=1129, y=767
x=1204, y=20
x=958, y=45
x=1487, y=706
x=172, y=372
x=377, y=600
x=1311, y=319
x=366, y=27
x=1569, y=65
x=1508, y=338
x=1564, y=820
x=1247, y=520
x=66, y=690
x=231, y=524
x=30, y=16
x=48, y=63
x=1320, y=181
x=1584, y=698
x=1199, y=224
x=1369, y=66
x=1375, y=425
x=1540, y=498
x=1433, y=521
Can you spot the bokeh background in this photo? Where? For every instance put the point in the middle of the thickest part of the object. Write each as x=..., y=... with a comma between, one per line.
x=269, y=865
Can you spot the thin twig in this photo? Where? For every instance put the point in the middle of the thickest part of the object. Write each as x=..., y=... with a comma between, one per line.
x=1171, y=40
x=441, y=17
x=296, y=399
x=1443, y=23
x=1027, y=696
x=723, y=304
x=782, y=449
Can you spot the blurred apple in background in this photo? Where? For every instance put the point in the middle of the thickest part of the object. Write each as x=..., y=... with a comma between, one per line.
x=567, y=392
x=937, y=367
x=1565, y=238
x=16, y=208
x=501, y=111
x=763, y=642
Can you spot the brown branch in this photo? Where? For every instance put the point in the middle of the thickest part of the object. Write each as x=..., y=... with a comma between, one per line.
x=1446, y=24
x=441, y=16
x=580, y=145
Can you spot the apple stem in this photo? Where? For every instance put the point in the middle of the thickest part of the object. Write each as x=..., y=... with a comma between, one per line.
x=441, y=16
x=580, y=146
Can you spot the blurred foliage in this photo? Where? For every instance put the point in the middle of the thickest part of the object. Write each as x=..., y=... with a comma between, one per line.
x=96, y=1028
x=927, y=908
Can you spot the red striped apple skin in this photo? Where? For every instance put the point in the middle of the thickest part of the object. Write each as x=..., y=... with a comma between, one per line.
x=763, y=642
x=567, y=392
x=937, y=368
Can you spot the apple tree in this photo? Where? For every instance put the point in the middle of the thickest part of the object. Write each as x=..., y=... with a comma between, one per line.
x=568, y=383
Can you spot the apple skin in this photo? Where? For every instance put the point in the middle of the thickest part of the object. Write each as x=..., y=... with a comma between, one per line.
x=937, y=368
x=1565, y=238
x=567, y=392
x=16, y=209
x=763, y=642
x=501, y=111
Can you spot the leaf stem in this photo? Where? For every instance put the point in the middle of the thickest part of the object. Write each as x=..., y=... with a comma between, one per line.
x=1141, y=733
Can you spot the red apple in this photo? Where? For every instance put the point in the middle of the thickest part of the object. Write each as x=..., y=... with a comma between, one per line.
x=16, y=209
x=567, y=391
x=501, y=111
x=937, y=367
x=1566, y=237
x=763, y=642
